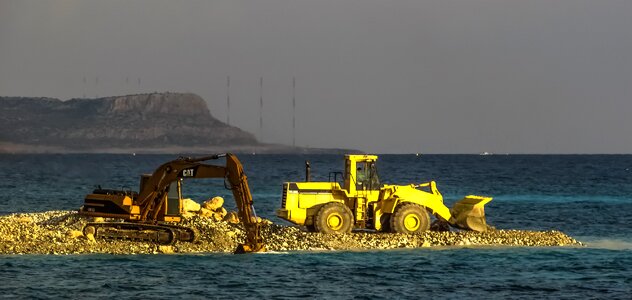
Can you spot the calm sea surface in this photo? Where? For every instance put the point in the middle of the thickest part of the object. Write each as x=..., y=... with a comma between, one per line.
x=587, y=196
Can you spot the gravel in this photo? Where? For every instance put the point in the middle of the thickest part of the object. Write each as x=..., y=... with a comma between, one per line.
x=59, y=233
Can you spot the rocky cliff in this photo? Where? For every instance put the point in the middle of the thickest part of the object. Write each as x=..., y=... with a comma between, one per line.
x=144, y=121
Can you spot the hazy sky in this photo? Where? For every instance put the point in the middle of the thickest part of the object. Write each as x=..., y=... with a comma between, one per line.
x=389, y=76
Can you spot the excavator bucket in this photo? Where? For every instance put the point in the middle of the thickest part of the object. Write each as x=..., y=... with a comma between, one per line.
x=244, y=249
x=469, y=213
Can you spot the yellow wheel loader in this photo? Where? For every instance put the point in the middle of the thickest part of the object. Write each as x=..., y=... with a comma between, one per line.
x=356, y=199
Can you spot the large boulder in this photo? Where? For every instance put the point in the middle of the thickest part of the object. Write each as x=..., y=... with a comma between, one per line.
x=166, y=249
x=213, y=203
x=206, y=213
x=74, y=234
x=188, y=205
x=219, y=214
x=232, y=217
x=212, y=208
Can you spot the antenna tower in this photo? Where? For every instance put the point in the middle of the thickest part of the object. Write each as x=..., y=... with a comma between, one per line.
x=294, y=111
x=261, y=108
x=85, y=83
x=228, y=100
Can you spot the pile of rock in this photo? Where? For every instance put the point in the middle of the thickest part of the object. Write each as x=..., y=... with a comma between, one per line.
x=211, y=208
x=59, y=232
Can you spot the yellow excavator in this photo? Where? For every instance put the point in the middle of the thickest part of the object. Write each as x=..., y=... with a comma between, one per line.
x=151, y=214
x=360, y=201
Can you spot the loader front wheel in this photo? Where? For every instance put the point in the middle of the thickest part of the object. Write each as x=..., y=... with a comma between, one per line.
x=333, y=218
x=410, y=218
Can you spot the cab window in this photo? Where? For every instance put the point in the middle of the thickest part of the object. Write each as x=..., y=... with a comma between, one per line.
x=374, y=181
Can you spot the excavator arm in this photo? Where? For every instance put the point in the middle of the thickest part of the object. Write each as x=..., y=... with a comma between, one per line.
x=241, y=192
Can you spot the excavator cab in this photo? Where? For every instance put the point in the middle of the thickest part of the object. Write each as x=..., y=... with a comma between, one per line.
x=173, y=206
x=174, y=200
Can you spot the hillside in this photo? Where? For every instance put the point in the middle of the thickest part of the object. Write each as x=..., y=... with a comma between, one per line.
x=144, y=123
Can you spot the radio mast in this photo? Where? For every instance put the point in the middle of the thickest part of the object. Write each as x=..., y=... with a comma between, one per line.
x=228, y=100
x=85, y=83
x=294, y=111
x=261, y=108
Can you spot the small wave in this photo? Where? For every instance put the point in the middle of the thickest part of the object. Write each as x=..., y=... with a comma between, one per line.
x=273, y=252
x=526, y=198
x=610, y=244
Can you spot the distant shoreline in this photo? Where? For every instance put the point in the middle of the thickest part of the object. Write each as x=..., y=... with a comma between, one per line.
x=13, y=148
x=153, y=123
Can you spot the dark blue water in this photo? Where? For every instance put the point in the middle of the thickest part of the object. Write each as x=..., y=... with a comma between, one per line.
x=586, y=196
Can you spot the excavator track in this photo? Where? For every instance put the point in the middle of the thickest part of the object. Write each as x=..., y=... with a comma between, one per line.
x=163, y=234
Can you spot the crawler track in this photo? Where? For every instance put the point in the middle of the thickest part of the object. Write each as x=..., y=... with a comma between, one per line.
x=158, y=233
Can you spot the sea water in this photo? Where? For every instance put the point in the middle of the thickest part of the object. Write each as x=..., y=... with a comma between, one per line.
x=586, y=196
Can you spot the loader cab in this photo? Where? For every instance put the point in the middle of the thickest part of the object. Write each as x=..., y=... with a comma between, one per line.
x=366, y=176
x=361, y=174
x=362, y=185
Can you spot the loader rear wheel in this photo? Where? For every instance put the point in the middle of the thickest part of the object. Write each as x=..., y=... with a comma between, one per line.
x=333, y=218
x=410, y=218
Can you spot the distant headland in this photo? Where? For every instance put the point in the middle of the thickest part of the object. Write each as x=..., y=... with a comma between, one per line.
x=142, y=123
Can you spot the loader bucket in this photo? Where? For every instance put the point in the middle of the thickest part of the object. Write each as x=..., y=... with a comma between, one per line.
x=469, y=213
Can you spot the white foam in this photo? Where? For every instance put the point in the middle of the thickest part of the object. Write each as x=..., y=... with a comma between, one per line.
x=272, y=252
x=610, y=244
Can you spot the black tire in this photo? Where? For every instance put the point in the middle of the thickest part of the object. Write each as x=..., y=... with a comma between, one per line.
x=440, y=225
x=410, y=218
x=310, y=228
x=333, y=218
x=385, y=219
